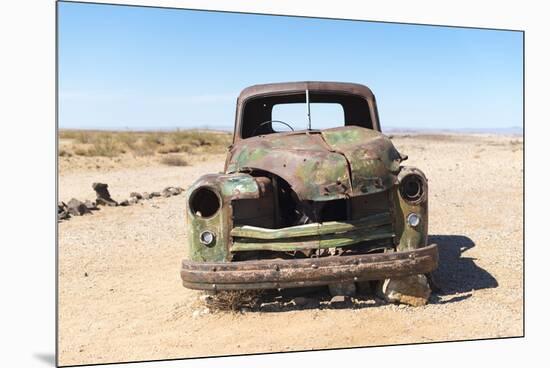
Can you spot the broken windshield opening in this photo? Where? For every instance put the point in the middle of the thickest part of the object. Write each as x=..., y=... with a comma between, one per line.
x=323, y=116
x=280, y=113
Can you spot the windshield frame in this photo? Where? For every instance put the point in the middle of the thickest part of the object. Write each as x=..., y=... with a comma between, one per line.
x=358, y=110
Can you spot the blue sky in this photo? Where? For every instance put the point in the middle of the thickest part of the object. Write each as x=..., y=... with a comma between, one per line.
x=142, y=68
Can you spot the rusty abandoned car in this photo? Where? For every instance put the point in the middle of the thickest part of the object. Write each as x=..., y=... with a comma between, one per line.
x=298, y=206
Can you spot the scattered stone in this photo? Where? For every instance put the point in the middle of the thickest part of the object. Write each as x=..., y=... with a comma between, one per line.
x=103, y=196
x=339, y=300
x=270, y=306
x=196, y=314
x=77, y=208
x=85, y=274
x=344, y=288
x=245, y=310
x=63, y=216
x=170, y=191
x=61, y=206
x=136, y=194
x=412, y=290
x=62, y=213
x=92, y=206
x=103, y=202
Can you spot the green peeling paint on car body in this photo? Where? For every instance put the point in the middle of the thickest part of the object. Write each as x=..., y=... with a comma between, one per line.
x=284, y=181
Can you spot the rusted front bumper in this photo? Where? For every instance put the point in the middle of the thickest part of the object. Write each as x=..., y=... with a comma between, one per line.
x=271, y=274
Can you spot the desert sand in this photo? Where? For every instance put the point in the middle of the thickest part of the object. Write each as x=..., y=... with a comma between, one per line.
x=121, y=298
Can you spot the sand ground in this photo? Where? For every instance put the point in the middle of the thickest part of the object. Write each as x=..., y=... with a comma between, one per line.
x=121, y=299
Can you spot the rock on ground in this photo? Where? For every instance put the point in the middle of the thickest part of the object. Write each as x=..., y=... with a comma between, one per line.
x=412, y=290
x=103, y=195
x=77, y=208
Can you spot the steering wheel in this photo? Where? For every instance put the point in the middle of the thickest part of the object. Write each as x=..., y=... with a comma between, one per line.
x=271, y=121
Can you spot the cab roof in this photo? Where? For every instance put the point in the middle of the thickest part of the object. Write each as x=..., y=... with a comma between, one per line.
x=312, y=86
x=348, y=94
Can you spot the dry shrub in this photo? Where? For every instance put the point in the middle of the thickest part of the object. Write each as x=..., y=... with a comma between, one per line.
x=81, y=151
x=64, y=153
x=208, y=142
x=113, y=143
x=102, y=145
x=80, y=136
x=153, y=139
x=174, y=161
x=169, y=149
x=129, y=140
x=142, y=150
x=234, y=300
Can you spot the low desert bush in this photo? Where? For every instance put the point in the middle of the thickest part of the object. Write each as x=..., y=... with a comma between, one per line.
x=64, y=153
x=174, y=161
x=234, y=300
x=113, y=143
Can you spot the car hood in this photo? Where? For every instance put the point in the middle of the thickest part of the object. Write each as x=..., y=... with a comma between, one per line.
x=322, y=165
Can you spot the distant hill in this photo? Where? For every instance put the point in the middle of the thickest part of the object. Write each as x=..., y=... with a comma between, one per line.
x=385, y=129
x=503, y=131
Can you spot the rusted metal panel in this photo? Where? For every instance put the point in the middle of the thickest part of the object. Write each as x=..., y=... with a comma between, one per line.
x=301, y=159
x=373, y=160
x=265, y=274
x=301, y=192
x=228, y=188
x=315, y=242
x=318, y=165
x=300, y=87
x=411, y=237
x=313, y=229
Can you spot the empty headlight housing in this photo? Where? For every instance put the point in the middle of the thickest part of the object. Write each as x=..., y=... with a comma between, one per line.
x=204, y=202
x=412, y=188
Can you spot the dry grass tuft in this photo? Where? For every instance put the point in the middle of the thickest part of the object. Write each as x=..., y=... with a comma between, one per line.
x=114, y=143
x=174, y=161
x=64, y=153
x=234, y=300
